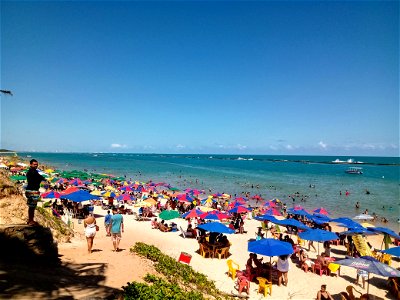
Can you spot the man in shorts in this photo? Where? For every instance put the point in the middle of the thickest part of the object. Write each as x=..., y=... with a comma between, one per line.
x=32, y=190
x=117, y=225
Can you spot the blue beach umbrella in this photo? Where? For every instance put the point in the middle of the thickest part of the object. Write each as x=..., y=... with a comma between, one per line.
x=299, y=212
x=266, y=218
x=293, y=223
x=216, y=227
x=385, y=231
x=270, y=247
x=370, y=265
x=356, y=231
x=80, y=196
x=318, y=235
x=393, y=251
x=349, y=223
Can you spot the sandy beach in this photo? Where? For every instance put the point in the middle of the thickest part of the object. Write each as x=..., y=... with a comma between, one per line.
x=122, y=267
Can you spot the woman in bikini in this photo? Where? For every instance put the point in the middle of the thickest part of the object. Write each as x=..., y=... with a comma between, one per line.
x=90, y=231
x=323, y=294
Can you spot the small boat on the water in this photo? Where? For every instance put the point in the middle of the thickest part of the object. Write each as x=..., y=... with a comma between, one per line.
x=354, y=170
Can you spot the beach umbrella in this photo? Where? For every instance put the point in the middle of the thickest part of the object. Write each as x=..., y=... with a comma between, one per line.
x=109, y=194
x=143, y=204
x=366, y=225
x=18, y=177
x=392, y=251
x=76, y=182
x=270, y=204
x=318, y=235
x=216, y=227
x=293, y=223
x=194, y=213
x=357, y=231
x=214, y=215
x=169, y=214
x=319, y=219
x=349, y=223
x=79, y=196
x=387, y=233
x=205, y=208
x=50, y=194
x=239, y=209
x=300, y=212
x=270, y=247
x=126, y=188
x=266, y=218
x=71, y=189
x=363, y=217
x=125, y=197
x=151, y=201
x=96, y=193
x=370, y=265
x=272, y=212
x=321, y=210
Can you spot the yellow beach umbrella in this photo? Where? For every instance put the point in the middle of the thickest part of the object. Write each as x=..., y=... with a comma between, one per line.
x=151, y=201
x=205, y=208
x=49, y=171
x=143, y=204
x=96, y=193
x=109, y=188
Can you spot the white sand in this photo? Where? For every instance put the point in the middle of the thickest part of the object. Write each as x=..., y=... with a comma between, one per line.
x=124, y=266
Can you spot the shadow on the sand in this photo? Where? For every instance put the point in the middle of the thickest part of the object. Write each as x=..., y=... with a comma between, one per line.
x=26, y=274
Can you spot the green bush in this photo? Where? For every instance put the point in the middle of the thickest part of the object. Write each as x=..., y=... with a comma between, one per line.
x=175, y=271
x=158, y=289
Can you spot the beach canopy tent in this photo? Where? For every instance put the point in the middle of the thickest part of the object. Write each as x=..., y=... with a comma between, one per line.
x=216, y=227
x=169, y=214
x=395, y=251
x=370, y=265
x=79, y=196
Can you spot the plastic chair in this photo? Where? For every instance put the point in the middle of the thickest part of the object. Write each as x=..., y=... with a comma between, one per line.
x=242, y=284
x=222, y=252
x=386, y=259
x=232, y=268
x=300, y=242
x=264, y=286
x=204, y=251
x=322, y=269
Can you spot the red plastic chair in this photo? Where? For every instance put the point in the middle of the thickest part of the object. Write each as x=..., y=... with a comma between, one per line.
x=322, y=269
x=243, y=284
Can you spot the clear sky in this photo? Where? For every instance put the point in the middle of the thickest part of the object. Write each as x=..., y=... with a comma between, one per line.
x=201, y=77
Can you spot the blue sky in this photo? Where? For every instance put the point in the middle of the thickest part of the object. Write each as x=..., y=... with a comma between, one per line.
x=201, y=77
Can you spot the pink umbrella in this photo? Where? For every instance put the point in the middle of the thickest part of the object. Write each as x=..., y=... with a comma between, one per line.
x=272, y=212
x=321, y=210
x=298, y=207
x=270, y=203
x=215, y=215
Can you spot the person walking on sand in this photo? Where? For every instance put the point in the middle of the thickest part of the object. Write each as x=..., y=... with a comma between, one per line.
x=90, y=231
x=107, y=222
x=117, y=226
x=32, y=190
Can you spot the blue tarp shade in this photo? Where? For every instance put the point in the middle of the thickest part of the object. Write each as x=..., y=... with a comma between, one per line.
x=216, y=227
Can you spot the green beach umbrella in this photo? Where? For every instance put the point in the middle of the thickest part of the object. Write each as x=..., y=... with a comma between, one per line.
x=17, y=177
x=169, y=215
x=174, y=189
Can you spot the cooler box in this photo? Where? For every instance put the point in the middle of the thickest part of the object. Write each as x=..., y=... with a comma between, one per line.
x=185, y=258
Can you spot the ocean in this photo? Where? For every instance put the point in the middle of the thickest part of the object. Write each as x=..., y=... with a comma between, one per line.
x=317, y=181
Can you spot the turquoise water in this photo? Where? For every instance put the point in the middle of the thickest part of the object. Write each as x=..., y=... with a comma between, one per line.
x=270, y=176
